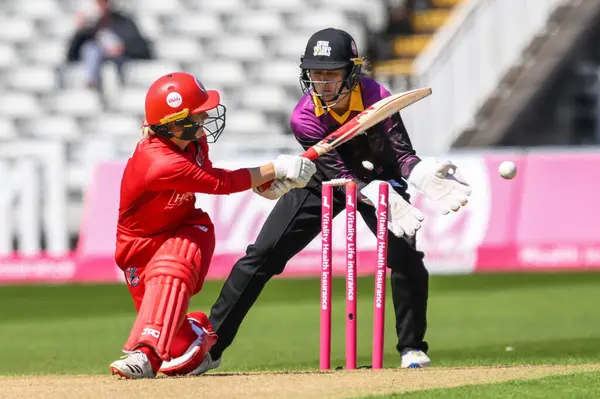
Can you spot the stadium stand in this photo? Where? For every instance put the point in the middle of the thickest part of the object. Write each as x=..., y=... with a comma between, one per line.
x=247, y=49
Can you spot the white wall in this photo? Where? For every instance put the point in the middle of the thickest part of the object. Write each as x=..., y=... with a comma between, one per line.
x=465, y=62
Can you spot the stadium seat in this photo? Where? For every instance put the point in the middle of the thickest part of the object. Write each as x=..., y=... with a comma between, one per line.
x=48, y=52
x=17, y=30
x=74, y=102
x=8, y=55
x=220, y=6
x=18, y=104
x=202, y=25
x=266, y=98
x=259, y=22
x=149, y=26
x=179, y=49
x=220, y=73
x=289, y=46
x=49, y=29
x=280, y=72
x=131, y=100
x=242, y=47
x=38, y=9
x=114, y=124
x=143, y=73
x=314, y=21
x=157, y=8
x=35, y=79
x=246, y=122
x=52, y=127
x=288, y=6
x=373, y=13
x=351, y=5
x=228, y=96
x=8, y=129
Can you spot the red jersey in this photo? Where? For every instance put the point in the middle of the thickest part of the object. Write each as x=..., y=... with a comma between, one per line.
x=157, y=195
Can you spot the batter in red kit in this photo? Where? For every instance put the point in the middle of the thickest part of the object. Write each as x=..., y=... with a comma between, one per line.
x=164, y=244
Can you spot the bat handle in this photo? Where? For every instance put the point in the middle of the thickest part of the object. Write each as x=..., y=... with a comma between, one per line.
x=264, y=187
x=310, y=154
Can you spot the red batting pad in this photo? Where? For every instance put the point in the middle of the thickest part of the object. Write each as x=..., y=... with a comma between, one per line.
x=170, y=278
x=197, y=348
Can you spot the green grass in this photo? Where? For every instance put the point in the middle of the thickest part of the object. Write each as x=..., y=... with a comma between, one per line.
x=576, y=385
x=546, y=318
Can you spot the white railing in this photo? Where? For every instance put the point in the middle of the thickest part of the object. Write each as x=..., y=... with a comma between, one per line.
x=33, y=197
x=466, y=61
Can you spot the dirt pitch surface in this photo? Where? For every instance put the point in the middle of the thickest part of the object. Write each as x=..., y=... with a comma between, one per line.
x=297, y=384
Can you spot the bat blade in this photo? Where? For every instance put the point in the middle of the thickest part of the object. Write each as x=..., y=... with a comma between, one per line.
x=371, y=116
x=368, y=118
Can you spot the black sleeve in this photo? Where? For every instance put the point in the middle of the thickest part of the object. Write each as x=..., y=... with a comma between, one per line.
x=136, y=46
x=79, y=38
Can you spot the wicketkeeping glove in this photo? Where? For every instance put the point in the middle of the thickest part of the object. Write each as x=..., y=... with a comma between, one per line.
x=404, y=219
x=442, y=183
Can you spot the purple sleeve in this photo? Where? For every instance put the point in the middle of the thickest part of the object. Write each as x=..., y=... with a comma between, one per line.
x=309, y=131
x=394, y=129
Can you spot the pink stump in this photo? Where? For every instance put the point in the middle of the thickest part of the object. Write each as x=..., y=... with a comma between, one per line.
x=380, y=273
x=326, y=259
x=351, y=291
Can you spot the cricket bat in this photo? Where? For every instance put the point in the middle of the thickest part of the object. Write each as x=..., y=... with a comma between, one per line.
x=368, y=118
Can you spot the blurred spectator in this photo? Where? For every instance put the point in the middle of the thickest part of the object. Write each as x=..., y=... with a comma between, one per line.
x=399, y=13
x=380, y=44
x=108, y=36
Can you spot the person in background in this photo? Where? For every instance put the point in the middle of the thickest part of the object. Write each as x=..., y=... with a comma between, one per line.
x=110, y=35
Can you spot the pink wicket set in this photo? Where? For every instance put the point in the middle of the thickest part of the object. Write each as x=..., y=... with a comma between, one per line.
x=351, y=263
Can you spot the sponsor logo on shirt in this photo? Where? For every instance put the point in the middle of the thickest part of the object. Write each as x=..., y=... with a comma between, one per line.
x=180, y=198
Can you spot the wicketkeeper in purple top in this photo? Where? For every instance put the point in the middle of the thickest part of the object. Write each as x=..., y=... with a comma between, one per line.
x=335, y=90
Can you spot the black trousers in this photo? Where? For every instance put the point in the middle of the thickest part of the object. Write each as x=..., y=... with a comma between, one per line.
x=293, y=223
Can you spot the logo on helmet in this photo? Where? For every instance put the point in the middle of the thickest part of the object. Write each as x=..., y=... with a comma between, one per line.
x=354, y=49
x=322, y=48
x=174, y=99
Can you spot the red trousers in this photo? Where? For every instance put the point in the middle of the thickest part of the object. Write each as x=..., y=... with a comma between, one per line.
x=139, y=249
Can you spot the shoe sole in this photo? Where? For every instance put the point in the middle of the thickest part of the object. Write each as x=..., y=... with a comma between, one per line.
x=415, y=366
x=197, y=373
x=116, y=371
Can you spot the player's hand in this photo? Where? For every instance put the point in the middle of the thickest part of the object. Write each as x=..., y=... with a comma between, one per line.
x=404, y=219
x=442, y=183
x=278, y=188
x=297, y=169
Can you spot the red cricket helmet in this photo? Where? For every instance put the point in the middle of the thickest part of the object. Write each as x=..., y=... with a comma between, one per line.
x=176, y=96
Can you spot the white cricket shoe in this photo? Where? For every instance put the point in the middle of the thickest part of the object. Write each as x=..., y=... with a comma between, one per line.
x=207, y=364
x=133, y=365
x=414, y=359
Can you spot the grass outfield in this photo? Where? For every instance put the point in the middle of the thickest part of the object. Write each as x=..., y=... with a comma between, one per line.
x=577, y=385
x=545, y=318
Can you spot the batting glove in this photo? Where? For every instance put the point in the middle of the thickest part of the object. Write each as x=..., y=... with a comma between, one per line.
x=442, y=183
x=277, y=189
x=404, y=219
x=297, y=169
